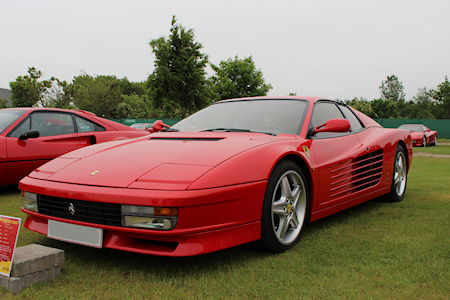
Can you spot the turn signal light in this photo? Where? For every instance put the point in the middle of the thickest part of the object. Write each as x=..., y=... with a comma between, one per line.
x=166, y=211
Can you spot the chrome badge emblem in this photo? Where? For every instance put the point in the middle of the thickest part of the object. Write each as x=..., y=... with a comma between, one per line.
x=95, y=172
x=71, y=209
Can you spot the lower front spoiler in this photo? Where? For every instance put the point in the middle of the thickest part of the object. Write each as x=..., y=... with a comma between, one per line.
x=176, y=246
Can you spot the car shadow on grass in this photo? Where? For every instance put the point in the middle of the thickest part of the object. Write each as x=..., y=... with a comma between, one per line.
x=9, y=190
x=78, y=256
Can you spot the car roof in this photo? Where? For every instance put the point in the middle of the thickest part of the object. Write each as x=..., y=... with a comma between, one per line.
x=28, y=109
x=311, y=99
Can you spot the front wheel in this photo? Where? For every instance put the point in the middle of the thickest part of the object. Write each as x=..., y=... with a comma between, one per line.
x=285, y=208
x=398, y=186
x=424, y=141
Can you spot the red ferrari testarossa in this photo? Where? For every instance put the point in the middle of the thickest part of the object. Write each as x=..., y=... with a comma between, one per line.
x=421, y=135
x=241, y=170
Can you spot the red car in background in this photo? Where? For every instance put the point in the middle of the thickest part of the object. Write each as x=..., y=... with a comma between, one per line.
x=241, y=170
x=421, y=135
x=30, y=137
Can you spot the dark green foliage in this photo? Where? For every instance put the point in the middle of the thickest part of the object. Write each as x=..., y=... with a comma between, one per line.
x=28, y=90
x=178, y=81
x=426, y=104
x=392, y=89
x=442, y=97
x=238, y=78
x=3, y=103
x=362, y=105
x=384, y=108
x=98, y=95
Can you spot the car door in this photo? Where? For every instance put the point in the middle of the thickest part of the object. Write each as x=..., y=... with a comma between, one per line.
x=3, y=164
x=342, y=159
x=57, y=135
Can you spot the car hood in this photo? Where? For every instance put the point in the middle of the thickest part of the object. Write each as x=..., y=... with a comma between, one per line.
x=417, y=135
x=162, y=161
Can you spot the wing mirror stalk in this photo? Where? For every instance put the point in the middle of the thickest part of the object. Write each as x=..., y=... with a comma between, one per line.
x=158, y=126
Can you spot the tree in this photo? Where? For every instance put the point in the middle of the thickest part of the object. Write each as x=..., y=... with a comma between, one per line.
x=129, y=88
x=3, y=103
x=238, y=78
x=384, y=109
x=98, y=95
x=442, y=97
x=178, y=81
x=362, y=105
x=28, y=91
x=422, y=105
x=58, y=95
x=392, y=89
x=136, y=106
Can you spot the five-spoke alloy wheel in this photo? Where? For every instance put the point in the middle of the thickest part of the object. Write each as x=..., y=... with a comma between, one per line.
x=285, y=208
x=398, y=186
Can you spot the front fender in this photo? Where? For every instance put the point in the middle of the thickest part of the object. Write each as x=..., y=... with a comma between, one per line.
x=252, y=165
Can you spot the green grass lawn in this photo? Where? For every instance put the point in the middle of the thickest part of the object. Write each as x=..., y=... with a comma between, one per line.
x=376, y=250
x=443, y=147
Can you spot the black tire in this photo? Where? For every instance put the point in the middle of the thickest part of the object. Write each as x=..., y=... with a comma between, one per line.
x=285, y=208
x=424, y=141
x=399, y=176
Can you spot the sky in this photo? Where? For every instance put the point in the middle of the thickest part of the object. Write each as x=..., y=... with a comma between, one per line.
x=336, y=49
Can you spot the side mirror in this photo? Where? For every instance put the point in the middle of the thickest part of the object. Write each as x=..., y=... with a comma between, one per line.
x=334, y=125
x=30, y=134
x=158, y=126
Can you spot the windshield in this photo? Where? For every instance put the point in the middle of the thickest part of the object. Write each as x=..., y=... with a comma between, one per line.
x=412, y=128
x=9, y=116
x=267, y=116
x=138, y=125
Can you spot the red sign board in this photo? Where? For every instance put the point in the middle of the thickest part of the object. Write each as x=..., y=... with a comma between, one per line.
x=9, y=231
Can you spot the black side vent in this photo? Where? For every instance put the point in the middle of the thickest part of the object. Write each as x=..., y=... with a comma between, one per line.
x=357, y=174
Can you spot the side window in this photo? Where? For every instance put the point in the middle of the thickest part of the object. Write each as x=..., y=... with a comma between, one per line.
x=355, y=124
x=84, y=125
x=52, y=123
x=324, y=111
x=24, y=127
x=47, y=123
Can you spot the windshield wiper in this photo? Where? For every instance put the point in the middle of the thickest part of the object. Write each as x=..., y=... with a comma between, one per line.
x=234, y=130
x=226, y=130
x=170, y=129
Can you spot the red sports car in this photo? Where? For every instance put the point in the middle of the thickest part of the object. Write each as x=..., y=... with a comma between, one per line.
x=421, y=135
x=240, y=170
x=30, y=137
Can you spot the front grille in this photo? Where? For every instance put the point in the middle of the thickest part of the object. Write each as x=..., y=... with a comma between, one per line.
x=83, y=211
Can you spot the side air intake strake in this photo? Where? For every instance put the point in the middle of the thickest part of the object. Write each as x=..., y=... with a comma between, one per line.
x=356, y=174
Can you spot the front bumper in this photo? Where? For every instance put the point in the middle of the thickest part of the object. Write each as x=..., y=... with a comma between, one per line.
x=208, y=220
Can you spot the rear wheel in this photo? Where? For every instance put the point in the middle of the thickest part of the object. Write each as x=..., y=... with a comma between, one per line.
x=398, y=186
x=285, y=208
